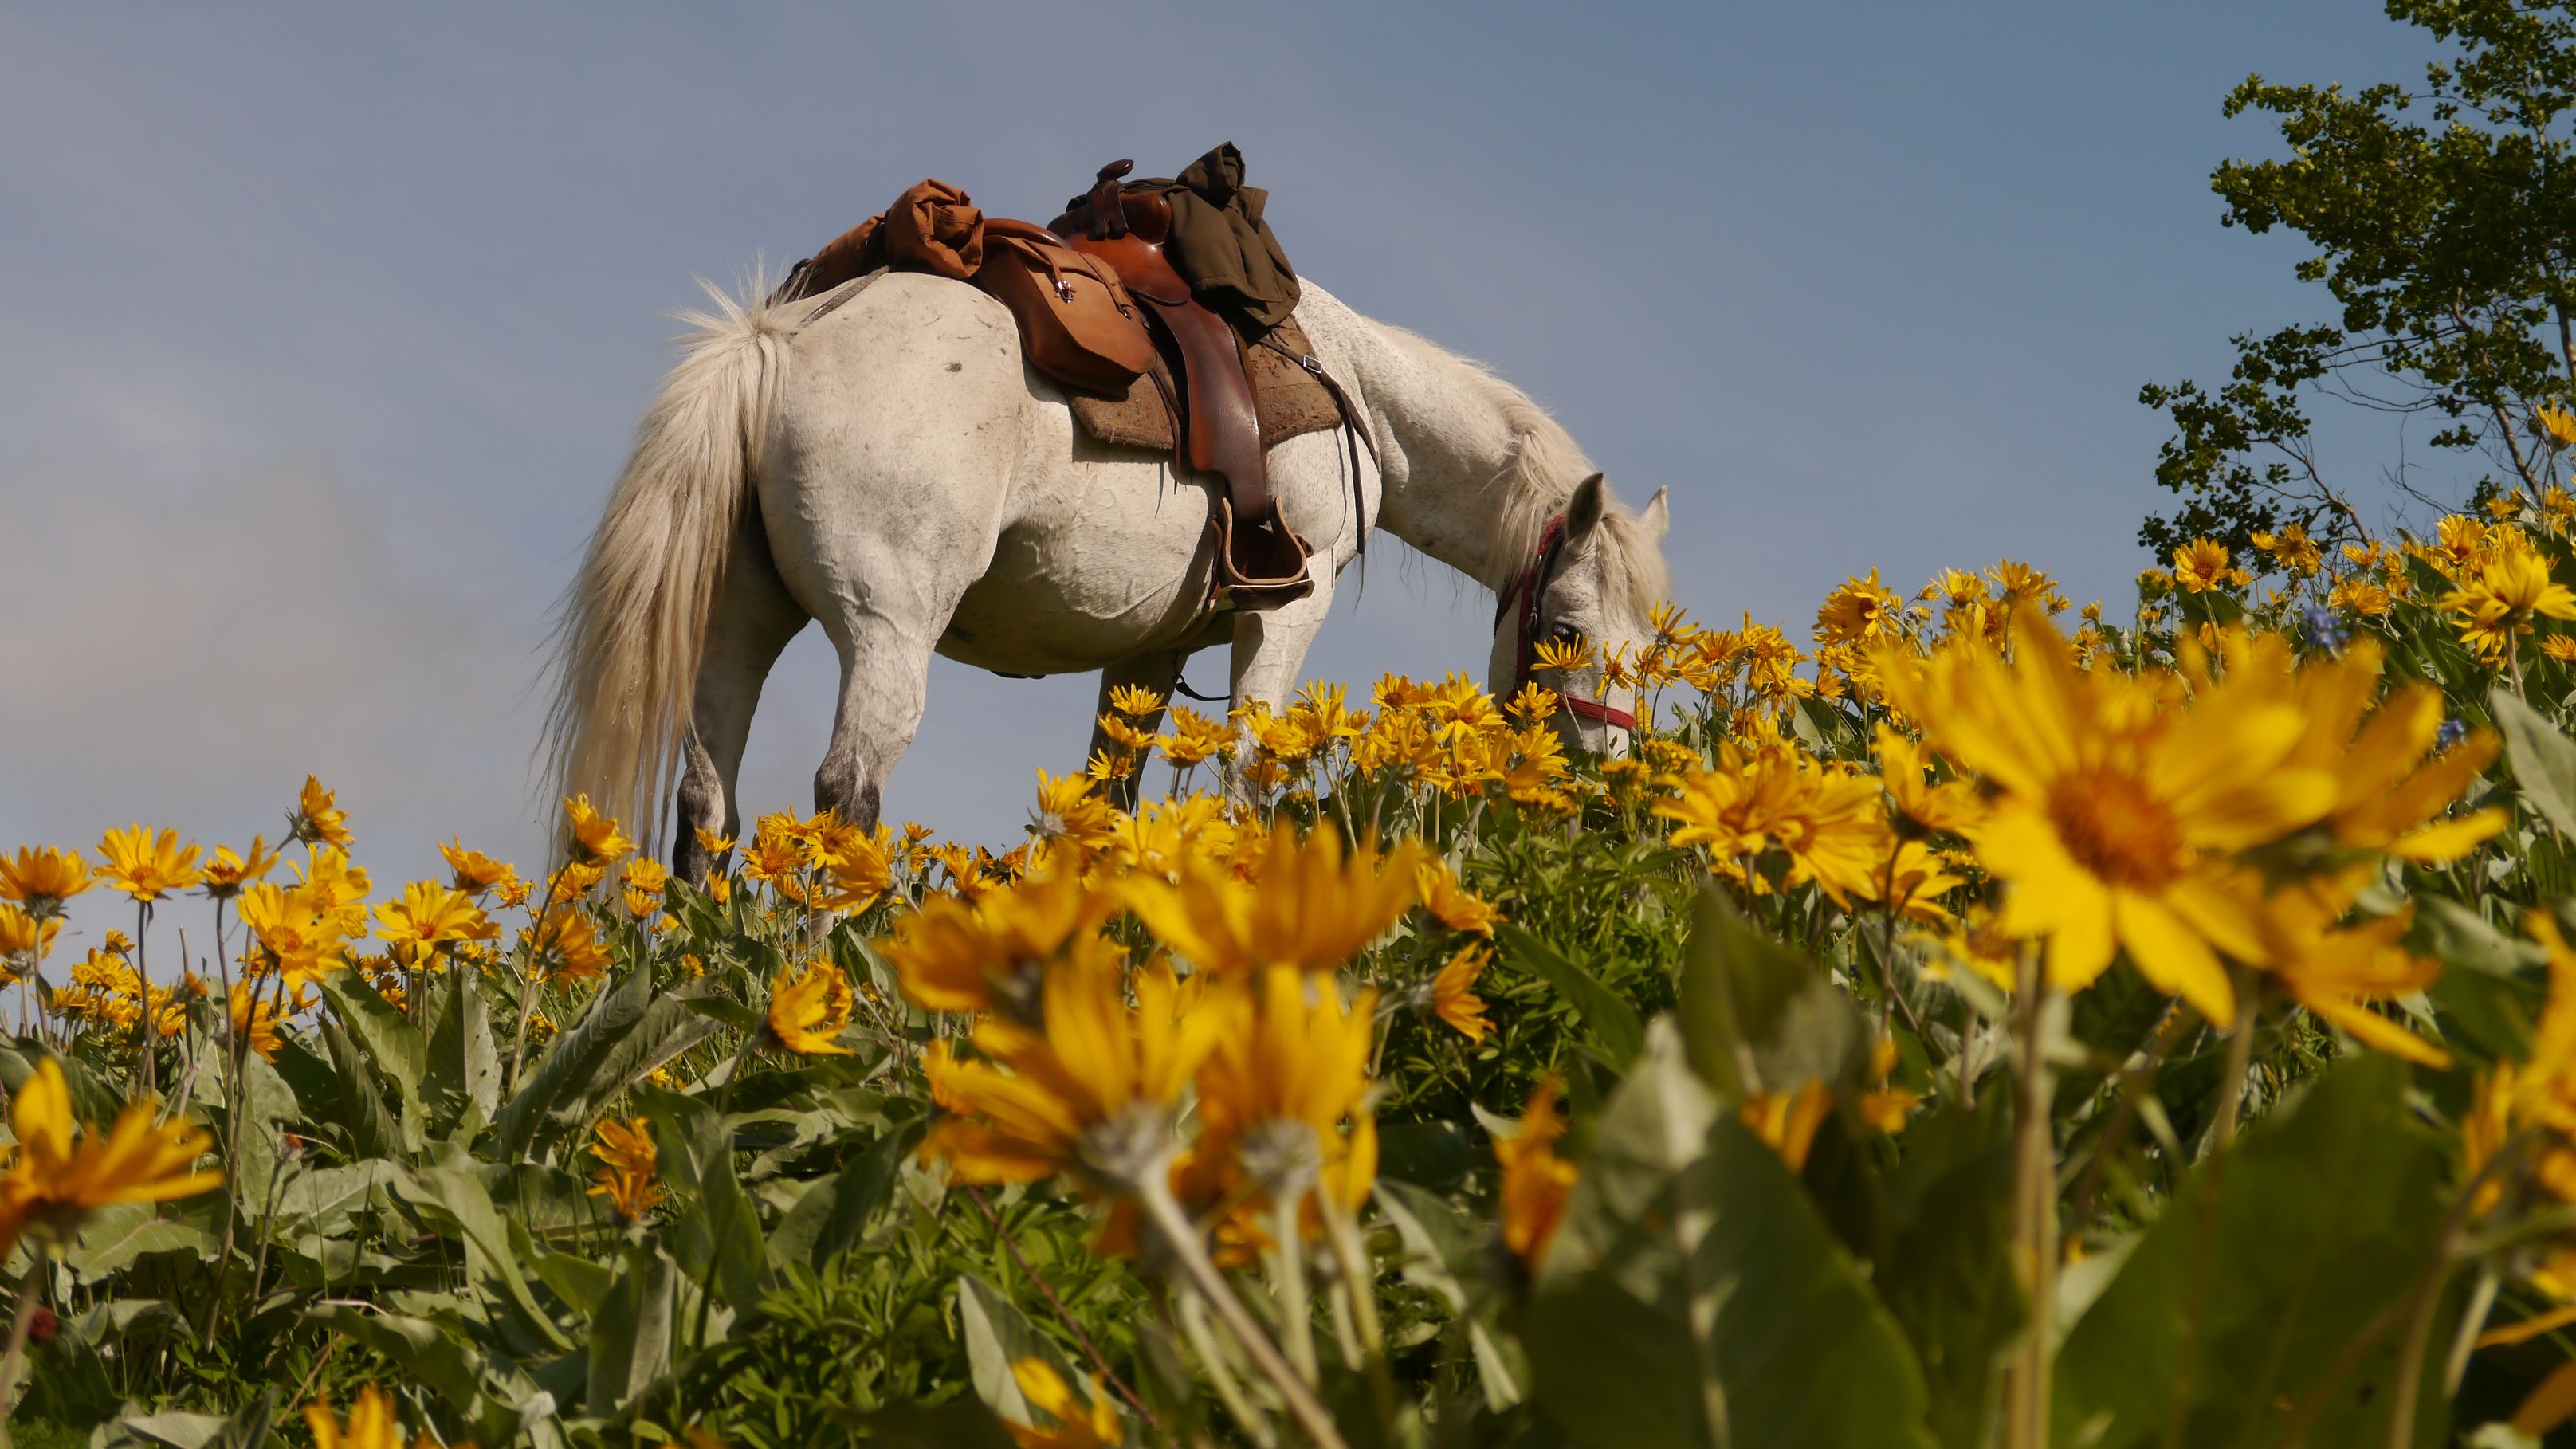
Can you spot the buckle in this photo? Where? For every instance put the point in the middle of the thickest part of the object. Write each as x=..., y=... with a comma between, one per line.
x=1064, y=289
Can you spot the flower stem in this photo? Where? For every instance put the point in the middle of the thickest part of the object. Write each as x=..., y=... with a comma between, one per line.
x=19, y=1326
x=1155, y=1200
x=1192, y=1315
x=2240, y=1062
x=1296, y=1309
x=1359, y=1281
x=2026, y=1406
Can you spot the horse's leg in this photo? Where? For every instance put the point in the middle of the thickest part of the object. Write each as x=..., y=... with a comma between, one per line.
x=1269, y=648
x=752, y=621
x=1155, y=672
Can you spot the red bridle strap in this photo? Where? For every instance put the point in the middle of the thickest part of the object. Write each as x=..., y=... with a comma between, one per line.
x=1524, y=591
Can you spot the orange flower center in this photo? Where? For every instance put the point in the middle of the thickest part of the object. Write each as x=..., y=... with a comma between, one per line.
x=2117, y=830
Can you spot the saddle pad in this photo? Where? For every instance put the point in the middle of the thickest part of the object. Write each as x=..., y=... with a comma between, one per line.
x=1287, y=399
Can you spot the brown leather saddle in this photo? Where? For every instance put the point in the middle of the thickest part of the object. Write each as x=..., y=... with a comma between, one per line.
x=1261, y=562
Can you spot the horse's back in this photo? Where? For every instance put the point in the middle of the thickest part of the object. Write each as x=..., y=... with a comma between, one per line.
x=911, y=422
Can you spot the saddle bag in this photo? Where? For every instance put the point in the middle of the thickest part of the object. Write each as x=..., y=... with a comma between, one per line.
x=1077, y=323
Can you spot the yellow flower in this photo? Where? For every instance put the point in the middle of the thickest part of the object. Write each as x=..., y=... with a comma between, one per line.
x=714, y=843
x=2203, y=564
x=2120, y=810
x=1912, y=883
x=227, y=873
x=2291, y=548
x=596, y=840
x=430, y=916
x=1134, y=701
x=476, y=872
x=50, y=1187
x=856, y=870
x=950, y=954
x=1090, y=1422
x=1566, y=656
x=371, y=1423
x=1829, y=825
x=1195, y=738
x=1092, y=1093
x=316, y=820
x=2389, y=794
x=1536, y=1182
x=2555, y=425
x=571, y=938
x=254, y=1018
x=1950, y=808
x=1787, y=1121
x=2508, y=589
x=1859, y=610
x=2339, y=974
x=627, y=1159
x=1313, y=906
x=301, y=928
x=146, y=866
x=42, y=878
x=1069, y=815
x=1453, y=996
x=810, y=1008
x=1287, y=1050
x=1457, y=907
x=22, y=936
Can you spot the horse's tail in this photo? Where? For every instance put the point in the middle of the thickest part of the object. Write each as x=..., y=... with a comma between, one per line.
x=631, y=627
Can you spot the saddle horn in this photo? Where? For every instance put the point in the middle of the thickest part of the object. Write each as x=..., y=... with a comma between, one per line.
x=1108, y=212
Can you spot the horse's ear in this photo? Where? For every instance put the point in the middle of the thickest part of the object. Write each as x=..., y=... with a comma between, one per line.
x=1657, y=517
x=1584, y=508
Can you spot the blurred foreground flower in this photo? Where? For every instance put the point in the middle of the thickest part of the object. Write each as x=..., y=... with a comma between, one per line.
x=51, y=1186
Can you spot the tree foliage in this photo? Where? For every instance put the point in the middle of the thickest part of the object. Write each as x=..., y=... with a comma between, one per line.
x=2440, y=214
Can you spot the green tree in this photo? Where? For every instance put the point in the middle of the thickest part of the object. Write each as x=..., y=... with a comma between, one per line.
x=2441, y=216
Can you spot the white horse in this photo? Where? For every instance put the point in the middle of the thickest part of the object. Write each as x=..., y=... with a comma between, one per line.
x=881, y=459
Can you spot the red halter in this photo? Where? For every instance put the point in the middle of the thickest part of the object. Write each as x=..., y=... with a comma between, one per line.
x=1525, y=588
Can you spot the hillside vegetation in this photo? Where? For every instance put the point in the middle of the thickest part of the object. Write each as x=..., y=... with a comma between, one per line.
x=1961, y=1031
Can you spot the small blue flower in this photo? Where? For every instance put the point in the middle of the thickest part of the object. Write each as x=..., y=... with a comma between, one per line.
x=2451, y=733
x=2326, y=631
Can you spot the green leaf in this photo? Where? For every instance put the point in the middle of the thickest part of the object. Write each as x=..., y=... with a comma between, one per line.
x=1757, y=1016
x=957, y=1424
x=1949, y=1278
x=325, y=1198
x=463, y=1059
x=630, y=1336
x=359, y=1096
x=1612, y=1020
x=1433, y=1240
x=577, y=1281
x=92, y=1099
x=179, y=1431
x=2240, y=1302
x=420, y=1348
x=449, y=1194
x=119, y=1233
x=997, y=1336
x=2544, y=758
x=2487, y=997
x=715, y=1228
x=1692, y=1299
x=832, y=1215
x=571, y=1059
x=392, y=1042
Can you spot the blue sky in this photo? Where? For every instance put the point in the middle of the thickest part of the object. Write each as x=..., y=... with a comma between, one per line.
x=327, y=327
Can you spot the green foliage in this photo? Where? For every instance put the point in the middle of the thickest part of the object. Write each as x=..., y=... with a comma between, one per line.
x=2436, y=213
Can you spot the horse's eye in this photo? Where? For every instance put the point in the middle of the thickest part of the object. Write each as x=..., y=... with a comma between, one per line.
x=1564, y=633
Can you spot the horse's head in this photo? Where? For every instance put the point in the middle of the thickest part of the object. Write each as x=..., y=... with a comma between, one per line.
x=1593, y=575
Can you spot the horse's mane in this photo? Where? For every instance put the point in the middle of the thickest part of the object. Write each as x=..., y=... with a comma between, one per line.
x=1546, y=466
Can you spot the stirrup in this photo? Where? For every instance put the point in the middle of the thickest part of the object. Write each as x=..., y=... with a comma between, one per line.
x=1280, y=580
